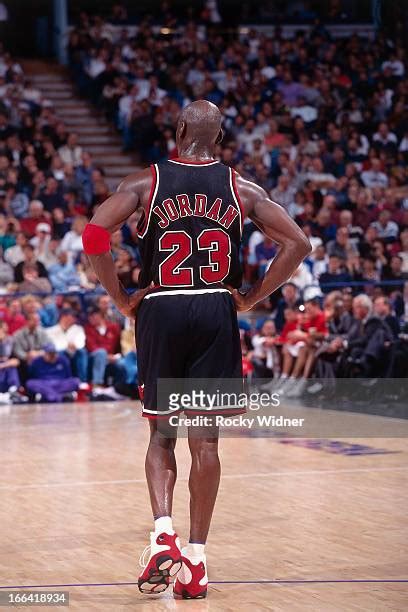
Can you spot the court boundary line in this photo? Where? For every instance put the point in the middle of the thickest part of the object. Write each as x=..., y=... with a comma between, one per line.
x=93, y=483
x=276, y=581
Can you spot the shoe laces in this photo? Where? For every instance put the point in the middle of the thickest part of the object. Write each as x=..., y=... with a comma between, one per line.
x=144, y=557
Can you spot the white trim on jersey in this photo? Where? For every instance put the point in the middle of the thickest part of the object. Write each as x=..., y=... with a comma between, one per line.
x=185, y=292
x=235, y=200
x=152, y=202
x=200, y=165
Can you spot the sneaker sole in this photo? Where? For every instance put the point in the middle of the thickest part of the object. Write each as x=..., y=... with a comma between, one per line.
x=159, y=579
x=185, y=595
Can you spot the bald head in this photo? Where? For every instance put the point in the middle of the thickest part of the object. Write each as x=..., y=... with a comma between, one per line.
x=199, y=128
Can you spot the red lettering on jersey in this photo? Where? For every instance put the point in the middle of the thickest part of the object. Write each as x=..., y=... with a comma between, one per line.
x=214, y=211
x=164, y=222
x=171, y=209
x=200, y=205
x=229, y=216
x=184, y=205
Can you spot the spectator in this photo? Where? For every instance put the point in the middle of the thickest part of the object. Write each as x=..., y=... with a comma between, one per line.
x=35, y=216
x=15, y=254
x=300, y=351
x=342, y=245
x=13, y=316
x=290, y=299
x=50, y=378
x=69, y=339
x=72, y=241
x=264, y=356
x=103, y=345
x=29, y=260
x=365, y=348
x=128, y=350
x=32, y=282
x=29, y=341
x=63, y=275
x=71, y=152
x=9, y=378
x=383, y=309
x=374, y=177
x=386, y=229
x=335, y=274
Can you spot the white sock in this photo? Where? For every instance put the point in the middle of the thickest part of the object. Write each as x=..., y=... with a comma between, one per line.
x=283, y=376
x=194, y=551
x=164, y=524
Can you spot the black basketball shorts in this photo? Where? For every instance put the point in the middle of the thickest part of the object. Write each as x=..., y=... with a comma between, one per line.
x=185, y=336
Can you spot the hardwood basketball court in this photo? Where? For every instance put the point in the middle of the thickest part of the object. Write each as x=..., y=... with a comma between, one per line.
x=296, y=527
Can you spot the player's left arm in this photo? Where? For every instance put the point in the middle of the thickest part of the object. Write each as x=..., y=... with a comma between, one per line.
x=275, y=223
x=108, y=218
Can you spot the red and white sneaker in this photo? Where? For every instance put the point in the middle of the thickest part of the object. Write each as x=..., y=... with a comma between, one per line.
x=192, y=580
x=164, y=562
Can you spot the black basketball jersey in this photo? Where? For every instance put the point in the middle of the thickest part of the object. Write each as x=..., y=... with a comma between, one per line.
x=190, y=233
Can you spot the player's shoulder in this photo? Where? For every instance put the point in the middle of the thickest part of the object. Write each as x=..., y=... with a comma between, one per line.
x=137, y=181
x=248, y=188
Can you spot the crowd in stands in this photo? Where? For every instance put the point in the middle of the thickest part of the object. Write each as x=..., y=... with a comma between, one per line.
x=320, y=123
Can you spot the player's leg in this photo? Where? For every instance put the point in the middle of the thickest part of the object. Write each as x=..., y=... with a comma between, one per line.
x=164, y=551
x=204, y=480
x=214, y=358
x=159, y=358
x=203, y=483
x=161, y=471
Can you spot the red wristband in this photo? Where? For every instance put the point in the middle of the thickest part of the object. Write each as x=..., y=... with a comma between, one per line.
x=95, y=239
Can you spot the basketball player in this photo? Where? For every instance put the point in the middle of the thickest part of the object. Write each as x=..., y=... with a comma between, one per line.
x=193, y=209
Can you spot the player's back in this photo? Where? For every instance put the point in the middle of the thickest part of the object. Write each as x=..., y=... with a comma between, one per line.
x=189, y=235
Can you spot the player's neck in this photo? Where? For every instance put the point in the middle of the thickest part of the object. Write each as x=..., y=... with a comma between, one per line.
x=196, y=153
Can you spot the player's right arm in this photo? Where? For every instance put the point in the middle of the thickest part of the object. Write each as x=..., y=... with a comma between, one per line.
x=275, y=223
x=132, y=193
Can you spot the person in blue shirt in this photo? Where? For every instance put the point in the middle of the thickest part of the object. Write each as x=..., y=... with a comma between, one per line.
x=50, y=377
x=335, y=274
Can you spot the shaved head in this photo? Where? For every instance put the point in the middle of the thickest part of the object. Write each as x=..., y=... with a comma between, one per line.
x=199, y=127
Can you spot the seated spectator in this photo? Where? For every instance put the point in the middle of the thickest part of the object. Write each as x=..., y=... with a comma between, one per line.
x=63, y=275
x=15, y=254
x=300, y=350
x=50, y=378
x=29, y=341
x=109, y=311
x=32, y=282
x=61, y=225
x=129, y=359
x=51, y=196
x=386, y=229
x=374, y=177
x=265, y=359
x=265, y=251
x=13, y=316
x=6, y=273
x=71, y=153
x=8, y=230
x=103, y=345
x=9, y=378
x=335, y=274
x=364, y=349
x=342, y=246
x=383, y=309
x=73, y=205
x=69, y=338
x=127, y=271
x=290, y=299
x=35, y=216
x=29, y=260
x=393, y=272
x=72, y=241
